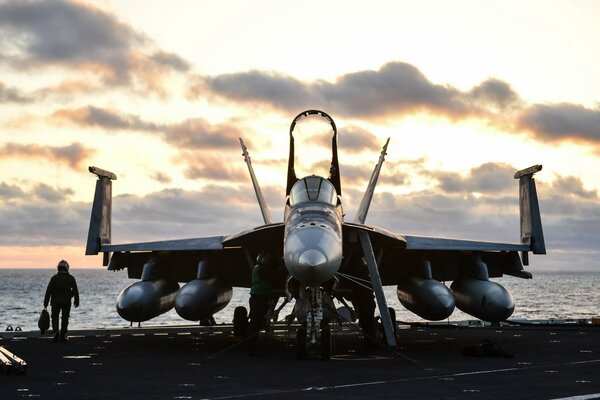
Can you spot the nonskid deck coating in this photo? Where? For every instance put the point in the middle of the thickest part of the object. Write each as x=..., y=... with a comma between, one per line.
x=202, y=363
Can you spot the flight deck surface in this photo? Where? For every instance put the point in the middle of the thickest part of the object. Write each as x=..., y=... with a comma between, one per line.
x=548, y=362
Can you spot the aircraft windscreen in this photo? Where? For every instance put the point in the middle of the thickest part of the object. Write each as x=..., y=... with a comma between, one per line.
x=312, y=141
x=313, y=188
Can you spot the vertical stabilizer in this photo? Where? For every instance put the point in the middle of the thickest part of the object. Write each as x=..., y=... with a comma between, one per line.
x=363, y=209
x=99, y=233
x=531, y=221
x=264, y=209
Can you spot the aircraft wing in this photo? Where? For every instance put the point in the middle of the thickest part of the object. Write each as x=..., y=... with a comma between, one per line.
x=230, y=257
x=399, y=256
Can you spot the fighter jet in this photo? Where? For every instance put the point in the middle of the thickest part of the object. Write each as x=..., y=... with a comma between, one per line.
x=325, y=258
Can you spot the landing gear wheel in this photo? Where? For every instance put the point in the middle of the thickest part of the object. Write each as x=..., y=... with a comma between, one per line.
x=326, y=343
x=240, y=321
x=301, y=344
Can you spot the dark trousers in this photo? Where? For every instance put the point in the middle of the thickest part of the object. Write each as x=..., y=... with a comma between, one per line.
x=364, y=303
x=258, y=309
x=64, y=309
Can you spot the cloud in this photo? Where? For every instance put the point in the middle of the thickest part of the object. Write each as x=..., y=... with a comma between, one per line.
x=494, y=93
x=486, y=178
x=104, y=118
x=570, y=213
x=198, y=134
x=176, y=213
x=355, y=139
x=50, y=194
x=211, y=167
x=12, y=95
x=562, y=121
x=81, y=38
x=191, y=134
x=47, y=216
x=73, y=155
x=397, y=88
x=278, y=90
x=42, y=215
x=9, y=192
x=573, y=187
x=160, y=177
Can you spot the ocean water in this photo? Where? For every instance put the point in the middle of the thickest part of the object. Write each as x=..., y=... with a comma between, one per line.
x=560, y=295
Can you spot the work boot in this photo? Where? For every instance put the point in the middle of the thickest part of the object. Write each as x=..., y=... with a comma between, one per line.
x=56, y=338
x=63, y=337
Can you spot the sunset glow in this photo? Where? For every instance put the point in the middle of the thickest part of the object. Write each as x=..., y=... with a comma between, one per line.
x=159, y=93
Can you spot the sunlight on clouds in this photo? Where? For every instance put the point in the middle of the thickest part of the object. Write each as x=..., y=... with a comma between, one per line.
x=47, y=257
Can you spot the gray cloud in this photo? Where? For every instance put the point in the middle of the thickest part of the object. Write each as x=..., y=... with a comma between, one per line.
x=570, y=213
x=42, y=216
x=573, y=187
x=45, y=215
x=160, y=177
x=176, y=213
x=192, y=134
x=200, y=134
x=278, y=90
x=77, y=36
x=8, y=192
x=214, y=168
x=487, y=178
x=562, y=121
x=356, y=139
x=50, y=194
x=12, y=95
x=72, y=155
x=397, y=88
x=104, y=118
x=494, y=93
x=170, y=60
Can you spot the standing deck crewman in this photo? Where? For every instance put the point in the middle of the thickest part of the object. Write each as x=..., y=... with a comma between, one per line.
x=61, y=288
x=263, y=278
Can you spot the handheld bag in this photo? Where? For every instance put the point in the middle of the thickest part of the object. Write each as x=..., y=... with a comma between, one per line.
x=44, y=321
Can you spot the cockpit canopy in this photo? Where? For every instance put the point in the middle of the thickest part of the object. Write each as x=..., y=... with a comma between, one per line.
x=313, y=188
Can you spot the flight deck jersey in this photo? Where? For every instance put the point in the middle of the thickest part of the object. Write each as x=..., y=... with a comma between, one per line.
x=260, y=286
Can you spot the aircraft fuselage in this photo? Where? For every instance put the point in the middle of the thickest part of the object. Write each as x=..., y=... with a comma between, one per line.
x=312, y=246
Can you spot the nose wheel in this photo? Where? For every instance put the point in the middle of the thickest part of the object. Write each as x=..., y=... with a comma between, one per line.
x=324, y=341
x=315, y=332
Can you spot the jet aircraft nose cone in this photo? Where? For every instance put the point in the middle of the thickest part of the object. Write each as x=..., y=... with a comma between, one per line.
x=312, y=258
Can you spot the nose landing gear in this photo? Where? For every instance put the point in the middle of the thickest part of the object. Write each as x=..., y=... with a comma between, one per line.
x=314, y=310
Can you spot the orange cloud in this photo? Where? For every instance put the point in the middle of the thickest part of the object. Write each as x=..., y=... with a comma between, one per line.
x=73, y=155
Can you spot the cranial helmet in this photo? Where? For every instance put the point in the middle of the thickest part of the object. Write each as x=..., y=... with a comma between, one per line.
x=63, y=265
x=263, y=257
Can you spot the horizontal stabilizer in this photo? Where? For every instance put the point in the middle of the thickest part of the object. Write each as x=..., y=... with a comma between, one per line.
x=434, y=243
x=195, y=244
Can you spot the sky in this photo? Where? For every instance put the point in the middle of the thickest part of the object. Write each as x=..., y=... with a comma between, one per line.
x=159, y=93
